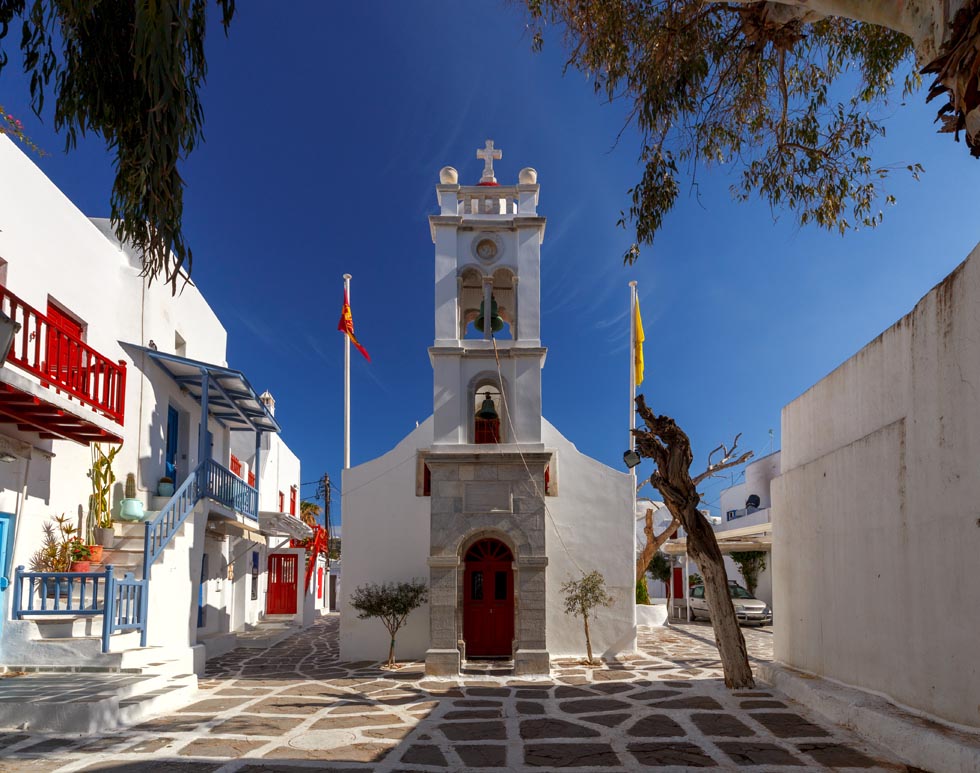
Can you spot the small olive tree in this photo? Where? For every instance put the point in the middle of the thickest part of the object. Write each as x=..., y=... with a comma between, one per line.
x=393, y=602
x=583, y=597
x=642, y=593
x=751, y=563
x=660, y=568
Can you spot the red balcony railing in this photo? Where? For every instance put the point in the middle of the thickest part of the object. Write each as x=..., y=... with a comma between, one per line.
x=63, y=361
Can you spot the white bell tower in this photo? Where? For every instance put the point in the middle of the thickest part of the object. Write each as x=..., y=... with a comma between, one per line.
x=487, y=241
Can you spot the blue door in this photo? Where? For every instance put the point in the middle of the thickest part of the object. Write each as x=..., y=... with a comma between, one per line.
x=172, y=422
x=202, y=594
x=6, y=554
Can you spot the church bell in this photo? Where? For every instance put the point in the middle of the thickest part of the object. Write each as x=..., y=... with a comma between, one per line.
x=487, y=411
x=496, y=323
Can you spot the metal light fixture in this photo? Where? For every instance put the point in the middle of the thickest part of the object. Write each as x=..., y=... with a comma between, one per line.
x=8, y=329
x=6, y=457
x=632, y=458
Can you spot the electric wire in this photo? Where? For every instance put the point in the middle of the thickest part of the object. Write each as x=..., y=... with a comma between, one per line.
x=544, y=500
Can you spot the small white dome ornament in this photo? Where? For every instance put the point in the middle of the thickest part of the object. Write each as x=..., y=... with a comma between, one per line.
x=528, y=176
x=448, y=176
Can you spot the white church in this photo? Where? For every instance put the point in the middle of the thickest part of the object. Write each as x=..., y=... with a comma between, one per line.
x=486, y=499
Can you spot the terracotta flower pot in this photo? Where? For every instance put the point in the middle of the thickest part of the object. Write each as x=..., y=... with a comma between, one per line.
x=96, y=553
x=80, y=566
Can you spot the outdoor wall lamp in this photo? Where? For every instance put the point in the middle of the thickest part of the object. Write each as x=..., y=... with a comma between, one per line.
x=8, y=329
x=631, y=458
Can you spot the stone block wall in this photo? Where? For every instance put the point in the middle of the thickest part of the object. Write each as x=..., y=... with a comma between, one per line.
x=487, y=495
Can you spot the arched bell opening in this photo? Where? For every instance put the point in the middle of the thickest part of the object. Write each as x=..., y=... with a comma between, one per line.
x=505, y=293
x=487, y=410
x=472, y=303
x=488, y=600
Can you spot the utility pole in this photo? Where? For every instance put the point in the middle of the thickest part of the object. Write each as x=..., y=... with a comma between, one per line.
x=323, y=490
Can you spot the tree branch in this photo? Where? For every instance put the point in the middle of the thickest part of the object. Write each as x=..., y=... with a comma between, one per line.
x=713, y=469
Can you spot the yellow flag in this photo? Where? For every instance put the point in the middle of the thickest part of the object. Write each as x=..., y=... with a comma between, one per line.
x=638, y=339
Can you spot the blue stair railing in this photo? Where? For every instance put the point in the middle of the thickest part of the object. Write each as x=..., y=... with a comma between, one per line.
x=222, y=485
x=124, y=604
x=162, y=528
x=119, y=602
x=60, y=593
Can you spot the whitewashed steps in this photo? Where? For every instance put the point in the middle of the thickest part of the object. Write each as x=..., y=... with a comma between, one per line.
x=92, y=701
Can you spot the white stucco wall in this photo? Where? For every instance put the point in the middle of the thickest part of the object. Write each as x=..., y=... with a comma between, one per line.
x=876, y=537
x=280, y=471
x=591, y=527
x=386, y=539
x=54, y=252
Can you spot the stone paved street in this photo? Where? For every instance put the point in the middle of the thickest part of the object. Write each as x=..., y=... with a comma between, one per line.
x=295, y=706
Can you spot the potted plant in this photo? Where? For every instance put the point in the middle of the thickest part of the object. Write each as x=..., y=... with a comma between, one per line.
x=79, y=554
x=102, y=480
x=54, y=554
x=94, y=547
x=131, y=508
x=165, y=488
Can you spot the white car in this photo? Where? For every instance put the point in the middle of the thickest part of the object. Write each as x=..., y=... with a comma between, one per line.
x=748, y=609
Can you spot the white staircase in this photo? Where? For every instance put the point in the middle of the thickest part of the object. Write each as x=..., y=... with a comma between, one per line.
x=127, y=683
x=140, y=683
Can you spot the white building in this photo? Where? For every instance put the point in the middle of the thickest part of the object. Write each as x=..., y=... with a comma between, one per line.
x=746, y=520
x=486, y=499
x=745, y=525
x=878, y=537
x=100, y=357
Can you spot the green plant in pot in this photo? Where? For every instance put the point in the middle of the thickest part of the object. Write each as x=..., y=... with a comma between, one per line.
x=93, y=544
x=131, y=508
x=165, y=488
x=102, y=479
x=81, y=556
x=54, y=555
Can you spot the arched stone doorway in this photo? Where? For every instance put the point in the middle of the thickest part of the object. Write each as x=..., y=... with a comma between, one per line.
x=488, y=600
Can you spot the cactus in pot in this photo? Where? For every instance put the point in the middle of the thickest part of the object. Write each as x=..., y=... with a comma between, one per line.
x=102, y=479
x=131, y=508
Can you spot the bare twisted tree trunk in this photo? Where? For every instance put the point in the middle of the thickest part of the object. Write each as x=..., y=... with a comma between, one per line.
x=669, y=446
x=654, y=541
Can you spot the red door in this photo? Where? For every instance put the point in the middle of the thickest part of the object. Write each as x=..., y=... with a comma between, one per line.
x=283, y=576
x=63, y=354
x=488, y=600
x=678, y=589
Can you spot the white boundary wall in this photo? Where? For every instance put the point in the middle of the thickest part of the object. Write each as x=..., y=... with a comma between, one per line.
x=876, y=530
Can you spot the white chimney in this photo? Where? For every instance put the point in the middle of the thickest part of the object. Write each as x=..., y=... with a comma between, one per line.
x=268, y=401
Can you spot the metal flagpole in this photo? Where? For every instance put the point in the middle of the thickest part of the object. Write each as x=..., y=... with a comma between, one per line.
x=632, y=396
x=632, y=369
x=347, y=278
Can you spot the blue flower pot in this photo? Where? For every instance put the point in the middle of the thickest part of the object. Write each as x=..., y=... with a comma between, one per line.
x=165, y=489
x=131, y=510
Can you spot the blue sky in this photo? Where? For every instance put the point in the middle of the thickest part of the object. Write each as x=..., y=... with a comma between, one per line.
x=326, y=128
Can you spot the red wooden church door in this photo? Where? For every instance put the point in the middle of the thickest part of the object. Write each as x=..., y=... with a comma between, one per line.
x=283, y=576
x=488, y=600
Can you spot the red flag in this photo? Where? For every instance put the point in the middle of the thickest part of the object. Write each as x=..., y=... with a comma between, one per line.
x=346, y=326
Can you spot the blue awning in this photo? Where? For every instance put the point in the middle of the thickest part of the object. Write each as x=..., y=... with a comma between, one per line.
x=232, y=401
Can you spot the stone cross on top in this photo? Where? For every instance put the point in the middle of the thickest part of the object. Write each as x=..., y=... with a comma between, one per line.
x=488, y=154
